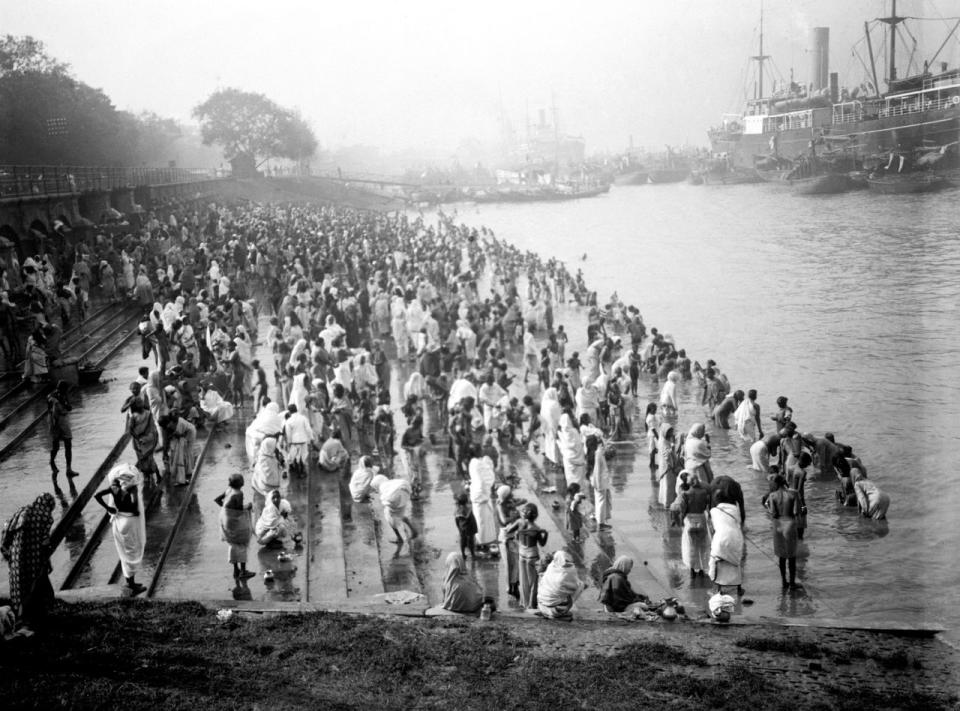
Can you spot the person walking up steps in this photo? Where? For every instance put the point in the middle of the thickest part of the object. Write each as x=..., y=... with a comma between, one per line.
x=58, y=409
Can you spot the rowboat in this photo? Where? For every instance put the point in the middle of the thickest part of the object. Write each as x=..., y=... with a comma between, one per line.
x=823, y=184
x=906, y=183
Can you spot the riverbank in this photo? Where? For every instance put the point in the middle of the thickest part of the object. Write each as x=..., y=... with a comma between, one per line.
x=137, y=654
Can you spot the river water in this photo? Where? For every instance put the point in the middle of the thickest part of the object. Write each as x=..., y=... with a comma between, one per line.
x=846, y=304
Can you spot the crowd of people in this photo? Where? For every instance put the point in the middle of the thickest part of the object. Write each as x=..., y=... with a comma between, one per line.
x=352, y=298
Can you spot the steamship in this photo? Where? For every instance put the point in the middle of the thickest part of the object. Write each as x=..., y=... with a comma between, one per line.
x=916, y=120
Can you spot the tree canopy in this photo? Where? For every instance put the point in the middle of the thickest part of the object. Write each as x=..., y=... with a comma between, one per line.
x=49, y=117
x=26, y=55
x=251, y=128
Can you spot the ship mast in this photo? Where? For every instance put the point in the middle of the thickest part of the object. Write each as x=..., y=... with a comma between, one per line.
x=761, y=57
x=893, y=21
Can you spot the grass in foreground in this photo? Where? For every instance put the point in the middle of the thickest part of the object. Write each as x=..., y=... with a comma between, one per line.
x=134, y=654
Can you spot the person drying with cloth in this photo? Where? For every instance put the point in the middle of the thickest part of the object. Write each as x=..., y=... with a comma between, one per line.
x=125, y=488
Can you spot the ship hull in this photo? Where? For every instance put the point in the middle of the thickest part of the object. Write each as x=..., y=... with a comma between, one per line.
x=870, y=137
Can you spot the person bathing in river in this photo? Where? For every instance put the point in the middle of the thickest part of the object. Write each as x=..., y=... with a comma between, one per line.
x=727, y=406
x=697, y=452
x=783, y=414
x=712, y=394
x=747, y=418
x=668, y=394
x=695, y=542
x=762, y=450
x=784, y=506
x=668, y=465
x=651, y=425
x=796, y=476
x=871, y=501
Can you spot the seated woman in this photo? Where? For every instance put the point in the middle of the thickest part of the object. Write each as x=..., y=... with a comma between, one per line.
x=559, y=588
x=361, y=478
x=273, y=525
x=461, y=593
x=216, y=408
x=872, y=502
x=616, y=593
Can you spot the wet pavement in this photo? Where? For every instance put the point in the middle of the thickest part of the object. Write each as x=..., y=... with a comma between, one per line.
x=97, y=424
x=351, y=557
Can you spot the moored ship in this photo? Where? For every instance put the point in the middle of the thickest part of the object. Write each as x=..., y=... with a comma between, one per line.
x=917, y=115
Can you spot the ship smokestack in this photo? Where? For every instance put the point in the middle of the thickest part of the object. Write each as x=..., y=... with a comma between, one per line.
x=834, y=87
x=819, y=57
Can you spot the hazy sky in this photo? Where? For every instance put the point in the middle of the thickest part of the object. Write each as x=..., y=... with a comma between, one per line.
x=428, y=74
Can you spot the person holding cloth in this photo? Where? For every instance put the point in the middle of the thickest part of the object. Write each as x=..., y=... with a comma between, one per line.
x=125, y=488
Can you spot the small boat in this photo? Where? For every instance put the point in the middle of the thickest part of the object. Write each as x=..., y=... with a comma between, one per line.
x=78, y=373
x=636, y=177
x=905, y=183
x=823, y=184
x=778, y=175
x=89, y=375
x=667, y=175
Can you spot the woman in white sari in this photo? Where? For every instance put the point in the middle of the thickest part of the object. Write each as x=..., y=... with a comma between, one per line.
x=125, y=488
x=266, y=468
x=550, y=413
x=299, y=348
x=415, y=386
x=726, y=547
x=572, y=452
x=299, y=392
x=127, y=271
x=559, y=588
x=245, y=351
x=747, y=417
x=398, y=325
x=267, y=422
x=273, y=525
x=482, y=479
x=668, y=395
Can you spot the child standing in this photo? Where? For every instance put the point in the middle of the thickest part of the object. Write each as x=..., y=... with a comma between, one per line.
x=530, y=537
x=466, y=525
x=235, y=526
x=544, y=373
x=651, y=426
x=259, y=386
x=561, y=343
x=575, y=499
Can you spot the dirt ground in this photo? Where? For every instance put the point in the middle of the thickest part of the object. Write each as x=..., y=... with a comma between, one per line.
x=137, y=654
